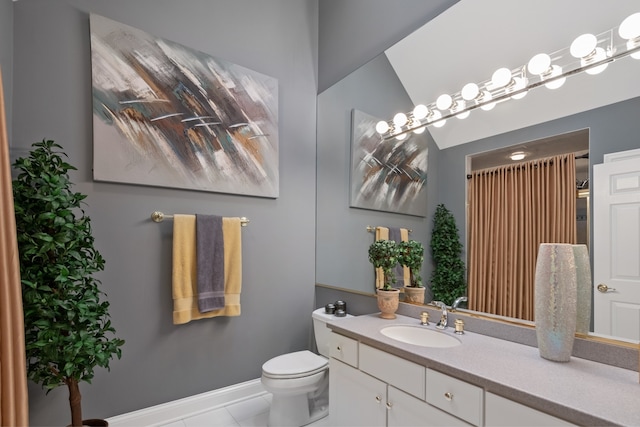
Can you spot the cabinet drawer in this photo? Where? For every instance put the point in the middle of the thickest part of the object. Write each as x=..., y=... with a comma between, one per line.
x=504, y=412
x=344, y=349
x=454, y=396
x=393, y=370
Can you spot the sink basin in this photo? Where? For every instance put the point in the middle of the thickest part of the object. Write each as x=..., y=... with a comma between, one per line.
x=421, y=336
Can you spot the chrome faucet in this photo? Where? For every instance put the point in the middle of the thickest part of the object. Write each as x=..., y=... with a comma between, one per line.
x=443, y=319
x=457, y=302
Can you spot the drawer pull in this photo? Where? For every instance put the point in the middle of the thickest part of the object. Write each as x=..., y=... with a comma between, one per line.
x=389, y=405
x=378, y=399
x=448, y=396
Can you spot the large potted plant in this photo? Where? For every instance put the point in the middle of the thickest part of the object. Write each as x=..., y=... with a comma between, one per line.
x=411, y=256
x=383, y=254
x=448, y=278
x=68, y=331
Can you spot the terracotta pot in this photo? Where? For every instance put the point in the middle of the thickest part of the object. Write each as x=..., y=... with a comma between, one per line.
x=414, y=295
x=388, y=303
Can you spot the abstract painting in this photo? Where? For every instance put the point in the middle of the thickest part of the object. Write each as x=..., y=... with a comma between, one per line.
x=387, y=175
x=170, y=116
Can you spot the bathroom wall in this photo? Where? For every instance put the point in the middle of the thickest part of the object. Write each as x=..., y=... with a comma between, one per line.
x=6, y=57
x=52, y=99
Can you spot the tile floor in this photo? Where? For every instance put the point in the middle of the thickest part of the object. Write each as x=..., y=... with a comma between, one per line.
x=252, y=412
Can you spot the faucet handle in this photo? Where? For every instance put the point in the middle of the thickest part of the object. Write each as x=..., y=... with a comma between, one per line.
x=424, y=318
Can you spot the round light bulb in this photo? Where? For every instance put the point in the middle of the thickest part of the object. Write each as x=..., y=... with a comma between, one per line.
x=598, y=56
x=401, y=136
x=420, y=111
x=463, y=116
x=382, y=127
x=486, y=96
x=444, y=102
x=583, y=45
x=435, y=115
x=400, y=119
x=539, y=64
x=518, y=155
x=439, y=124
x=470, y=91
x=501, y=77
x=630, y=27
x=419, y=130
x=556, y=70
x=632, y=44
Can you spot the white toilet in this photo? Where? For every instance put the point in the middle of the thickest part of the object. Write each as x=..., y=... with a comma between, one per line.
x=299, y=381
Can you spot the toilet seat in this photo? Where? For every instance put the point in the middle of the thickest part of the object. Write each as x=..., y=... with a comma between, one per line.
x=294, y=365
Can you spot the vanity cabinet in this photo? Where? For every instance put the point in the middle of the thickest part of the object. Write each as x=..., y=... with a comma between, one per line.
x=500, y=411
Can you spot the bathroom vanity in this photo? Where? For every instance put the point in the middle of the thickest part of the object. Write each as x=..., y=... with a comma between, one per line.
x=377, y=380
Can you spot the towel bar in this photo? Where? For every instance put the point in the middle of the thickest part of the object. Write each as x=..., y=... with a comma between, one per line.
x=372, y=229
x=158, y=216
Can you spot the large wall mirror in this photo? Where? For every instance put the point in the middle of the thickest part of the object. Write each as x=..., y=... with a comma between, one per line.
x=601, y=112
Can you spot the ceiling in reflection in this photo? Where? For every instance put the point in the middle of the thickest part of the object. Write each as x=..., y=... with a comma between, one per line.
x=472, y=39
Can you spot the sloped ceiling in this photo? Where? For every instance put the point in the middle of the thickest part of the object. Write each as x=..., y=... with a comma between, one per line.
x=472, y=39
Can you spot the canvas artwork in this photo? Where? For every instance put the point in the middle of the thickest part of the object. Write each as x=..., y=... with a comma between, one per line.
x=167, y=115
x=387, y=175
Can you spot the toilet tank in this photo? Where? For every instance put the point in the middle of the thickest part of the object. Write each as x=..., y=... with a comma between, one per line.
x=321, y=331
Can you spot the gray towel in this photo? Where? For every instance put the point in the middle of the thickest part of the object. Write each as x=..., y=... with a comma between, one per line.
x=394, y=234
x=210, y=262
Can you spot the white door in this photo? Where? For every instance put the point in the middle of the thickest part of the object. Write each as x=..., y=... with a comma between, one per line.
x=616, y=248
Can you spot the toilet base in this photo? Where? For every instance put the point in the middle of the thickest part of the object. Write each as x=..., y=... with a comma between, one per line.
x=300, y=409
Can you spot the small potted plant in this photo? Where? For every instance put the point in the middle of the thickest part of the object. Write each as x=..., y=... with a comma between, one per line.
x=411, y=256
x=67, y=327
x=383, y=254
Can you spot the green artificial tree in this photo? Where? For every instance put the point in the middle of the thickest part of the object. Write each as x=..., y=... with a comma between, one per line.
x=448, y=278
x=68, y=331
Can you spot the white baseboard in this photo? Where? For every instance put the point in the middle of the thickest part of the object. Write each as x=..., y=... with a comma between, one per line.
x=188, y=406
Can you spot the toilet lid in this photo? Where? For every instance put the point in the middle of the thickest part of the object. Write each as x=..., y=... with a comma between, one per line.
x=294, y=365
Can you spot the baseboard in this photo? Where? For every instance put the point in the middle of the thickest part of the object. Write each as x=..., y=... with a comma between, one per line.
x=178, y=409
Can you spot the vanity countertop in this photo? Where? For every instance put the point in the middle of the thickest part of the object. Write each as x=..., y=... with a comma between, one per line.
x=581, y=391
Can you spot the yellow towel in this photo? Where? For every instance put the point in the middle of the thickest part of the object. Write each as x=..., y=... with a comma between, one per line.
x=382, y=233
x=185, y=286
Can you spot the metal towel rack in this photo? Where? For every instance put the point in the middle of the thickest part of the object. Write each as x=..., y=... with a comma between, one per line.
x=158, y=216
x=372, y=229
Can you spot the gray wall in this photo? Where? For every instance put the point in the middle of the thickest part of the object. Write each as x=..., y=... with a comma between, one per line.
x=161, y=361
x=354, y=32
x=342, y=239
x=6, y=58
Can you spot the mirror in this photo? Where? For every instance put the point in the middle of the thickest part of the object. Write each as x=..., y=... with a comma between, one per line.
x=375, y=88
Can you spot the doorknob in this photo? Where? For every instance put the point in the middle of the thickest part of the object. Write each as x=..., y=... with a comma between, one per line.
x=604, y=288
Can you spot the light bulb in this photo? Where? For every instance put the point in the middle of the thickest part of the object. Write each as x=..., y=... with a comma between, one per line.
x=444, y=102
x=556, y=70
x=382, y=127
x=518, y=155
x=419, y=130
x=435, y=115
x=583, y=45
x=632, y=44
x=486, y=96
x=463, y=116
x=470, y=91
x=400, y=119
x=501, y=77
x=630, y=27
x=539, y=64
x=599, y=55
x=440, y=123
x=401, y=136
x=420, y=111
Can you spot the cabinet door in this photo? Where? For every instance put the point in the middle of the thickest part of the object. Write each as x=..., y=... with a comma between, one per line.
x=355, y=398
x=504, y=412
x=406, y=410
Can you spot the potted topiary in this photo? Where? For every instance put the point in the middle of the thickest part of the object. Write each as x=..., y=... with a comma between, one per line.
x=411, y=255
x=67, y=325
x=383, y=254
x=448, y=279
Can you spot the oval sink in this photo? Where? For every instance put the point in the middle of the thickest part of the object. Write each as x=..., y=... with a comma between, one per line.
x=420, y=336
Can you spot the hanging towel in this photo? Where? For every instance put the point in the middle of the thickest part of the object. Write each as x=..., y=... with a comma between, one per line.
x=403, y=274
x=185, y=291
x=210, y=262
x=382, y=233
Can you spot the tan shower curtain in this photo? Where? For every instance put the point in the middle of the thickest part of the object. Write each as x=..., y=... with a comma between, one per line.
x=13, y=380
x=512, y=209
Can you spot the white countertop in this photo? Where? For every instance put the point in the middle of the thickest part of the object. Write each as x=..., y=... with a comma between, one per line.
x=581, y=391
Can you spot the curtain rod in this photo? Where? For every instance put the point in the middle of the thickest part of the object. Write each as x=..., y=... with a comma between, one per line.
x=158, y=216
